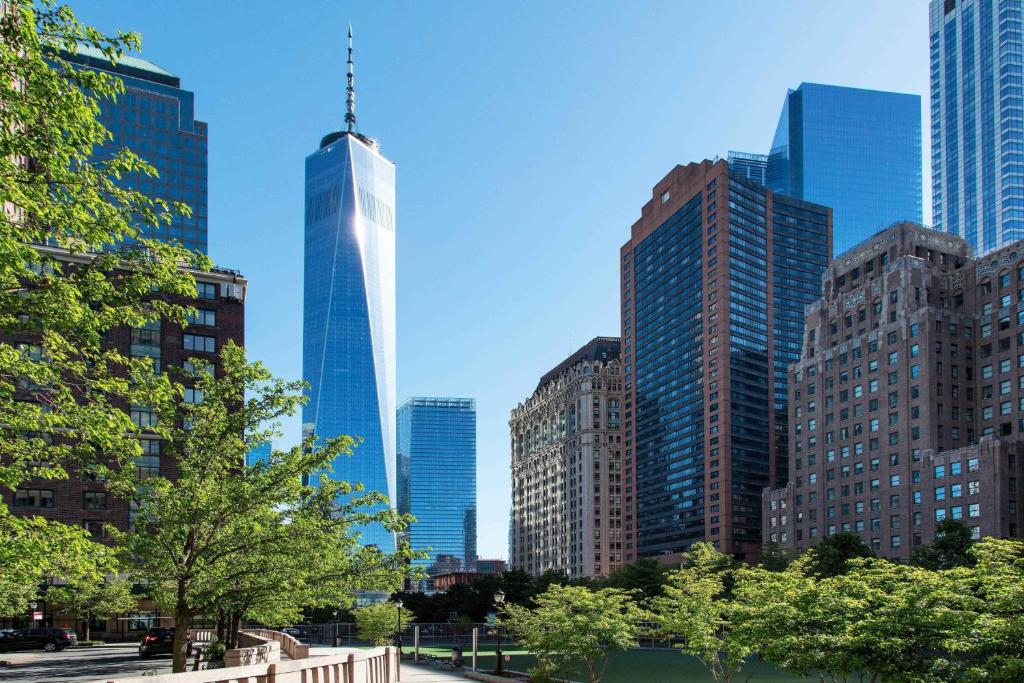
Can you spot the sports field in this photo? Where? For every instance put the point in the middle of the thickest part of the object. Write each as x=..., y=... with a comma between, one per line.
x=646, y=666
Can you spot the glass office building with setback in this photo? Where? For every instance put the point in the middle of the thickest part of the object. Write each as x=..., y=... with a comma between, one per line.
x=155, y=118
x=977, y=104
x=437, y=480
x=856, y=151
x=348, y=349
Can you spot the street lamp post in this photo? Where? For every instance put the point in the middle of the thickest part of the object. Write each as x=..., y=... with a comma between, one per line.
x=499, y=600
x=398, y=634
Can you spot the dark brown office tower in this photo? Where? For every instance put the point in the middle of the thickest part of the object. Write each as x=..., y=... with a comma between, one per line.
x=907, y=405
x=715, y=278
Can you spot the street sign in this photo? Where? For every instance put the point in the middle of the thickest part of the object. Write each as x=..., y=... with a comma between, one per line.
x=492, y=618
x=37, y=616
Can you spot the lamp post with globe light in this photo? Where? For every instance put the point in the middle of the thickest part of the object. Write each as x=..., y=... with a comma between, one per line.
x=499, y=600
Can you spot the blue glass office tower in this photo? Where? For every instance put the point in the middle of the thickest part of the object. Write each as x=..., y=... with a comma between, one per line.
x=348, y=349
x=977, y=109
x=437, y=479
x=857, y=151
x=155, y=118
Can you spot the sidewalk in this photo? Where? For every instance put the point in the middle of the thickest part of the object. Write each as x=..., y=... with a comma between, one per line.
x=425, y=673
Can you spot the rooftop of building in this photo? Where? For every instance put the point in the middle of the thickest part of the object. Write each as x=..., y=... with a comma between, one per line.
x=126, y=65
x=438, y=402
x=597, y=349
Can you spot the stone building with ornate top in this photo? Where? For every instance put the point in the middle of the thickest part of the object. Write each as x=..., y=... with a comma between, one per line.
x=566, y=444
x=907, y=403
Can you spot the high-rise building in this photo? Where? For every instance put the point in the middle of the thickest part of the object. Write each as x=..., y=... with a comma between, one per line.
x=907, y=403
x=155, y=118
x=856, y=151
x=437, y=480
x=567, y=467
x=750, y=166
x=977, y=120
x=715, y=278
x=348, y=343
x=259, y=454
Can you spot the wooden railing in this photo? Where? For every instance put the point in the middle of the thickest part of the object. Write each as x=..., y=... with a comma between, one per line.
x=379, y=665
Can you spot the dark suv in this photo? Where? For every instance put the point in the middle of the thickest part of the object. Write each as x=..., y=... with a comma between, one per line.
x=160, y=641
x=48, y=639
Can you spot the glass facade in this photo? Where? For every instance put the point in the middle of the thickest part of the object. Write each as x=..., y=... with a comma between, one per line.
x=750, y=166
x=977, y=106
x=857, y=151
x=348, y=352
x=259, y=454
x=437, y=480
x=668, y=274
x=155, y=118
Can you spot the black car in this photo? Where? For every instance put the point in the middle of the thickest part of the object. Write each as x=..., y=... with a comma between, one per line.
x=48, y=639
x=160, y=641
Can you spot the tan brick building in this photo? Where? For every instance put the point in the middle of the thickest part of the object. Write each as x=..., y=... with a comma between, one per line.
x=907, y=405
x=567, y=467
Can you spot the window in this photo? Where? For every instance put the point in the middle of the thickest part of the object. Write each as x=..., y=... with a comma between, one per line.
x=33, y=498
x=955, y=468
x=895, y=542
x=956, y=512
x=203, y=316
x=198, y=342
x=974, y=510
x=894, y=480
x=940, y=471
x=94, y=500
x=194, y=396
x=95, y=529
x=940, y=493
x=894, y=357
x=973, y=487
x=206, y=290
x=143, y=416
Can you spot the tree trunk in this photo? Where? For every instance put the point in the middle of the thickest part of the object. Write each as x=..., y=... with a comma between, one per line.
x=88, y=623
x=182, y=617
x=236, y=624
x=220, y=625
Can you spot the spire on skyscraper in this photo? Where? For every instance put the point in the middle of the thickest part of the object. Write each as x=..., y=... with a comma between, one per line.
x=350, y=99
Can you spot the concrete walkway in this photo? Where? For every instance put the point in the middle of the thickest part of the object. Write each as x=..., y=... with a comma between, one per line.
x=426, y=673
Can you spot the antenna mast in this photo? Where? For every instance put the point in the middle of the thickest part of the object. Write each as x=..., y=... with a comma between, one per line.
x=350, y=98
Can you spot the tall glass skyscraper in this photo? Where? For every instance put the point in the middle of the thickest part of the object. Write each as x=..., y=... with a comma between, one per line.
x=857, y=151
x=437, y=480
x=348, y=344
x=155, y=118
x=978, y=120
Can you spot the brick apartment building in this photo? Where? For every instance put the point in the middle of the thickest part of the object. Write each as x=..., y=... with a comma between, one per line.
x=715, y=277
x=907, y=404
x=79, y=501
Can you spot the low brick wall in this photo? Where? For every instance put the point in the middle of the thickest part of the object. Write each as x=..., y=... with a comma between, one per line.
x=254, y=649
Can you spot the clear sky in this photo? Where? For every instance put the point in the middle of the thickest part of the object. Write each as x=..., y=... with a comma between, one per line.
x=527, y=136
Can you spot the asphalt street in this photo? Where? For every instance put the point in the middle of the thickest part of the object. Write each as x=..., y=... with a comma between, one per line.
x=78, y=665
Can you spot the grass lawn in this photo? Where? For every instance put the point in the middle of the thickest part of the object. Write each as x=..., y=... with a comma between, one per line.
x=647, y=666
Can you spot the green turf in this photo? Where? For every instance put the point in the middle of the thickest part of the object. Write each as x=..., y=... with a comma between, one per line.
x=648, y=666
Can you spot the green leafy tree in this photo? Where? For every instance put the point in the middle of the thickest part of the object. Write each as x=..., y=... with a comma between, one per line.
x=951, y=547
x=696, y=607
x=63, y=391
x=878, y=621
x=571, y=623
x=777, y=558
x=88, y=600
x=997, y=641
x=831, y=557
x=645, y=578
x=252, y=540
x=378, y=623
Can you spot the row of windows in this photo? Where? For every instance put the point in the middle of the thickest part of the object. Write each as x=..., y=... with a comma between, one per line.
x=43, y=498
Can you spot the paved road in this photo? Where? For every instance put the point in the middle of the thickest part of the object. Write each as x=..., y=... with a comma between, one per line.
x=80, y=665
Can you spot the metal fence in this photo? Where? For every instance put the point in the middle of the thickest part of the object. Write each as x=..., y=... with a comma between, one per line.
x=342, y=634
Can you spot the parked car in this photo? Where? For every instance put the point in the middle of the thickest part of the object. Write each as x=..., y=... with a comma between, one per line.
x=48, y=639
x=292, y=631
x=160, y=641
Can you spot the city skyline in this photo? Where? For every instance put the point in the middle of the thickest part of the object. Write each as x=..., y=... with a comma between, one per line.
x=468, y=220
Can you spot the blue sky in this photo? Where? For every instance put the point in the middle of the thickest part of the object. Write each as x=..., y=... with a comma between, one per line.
x=527, y=136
